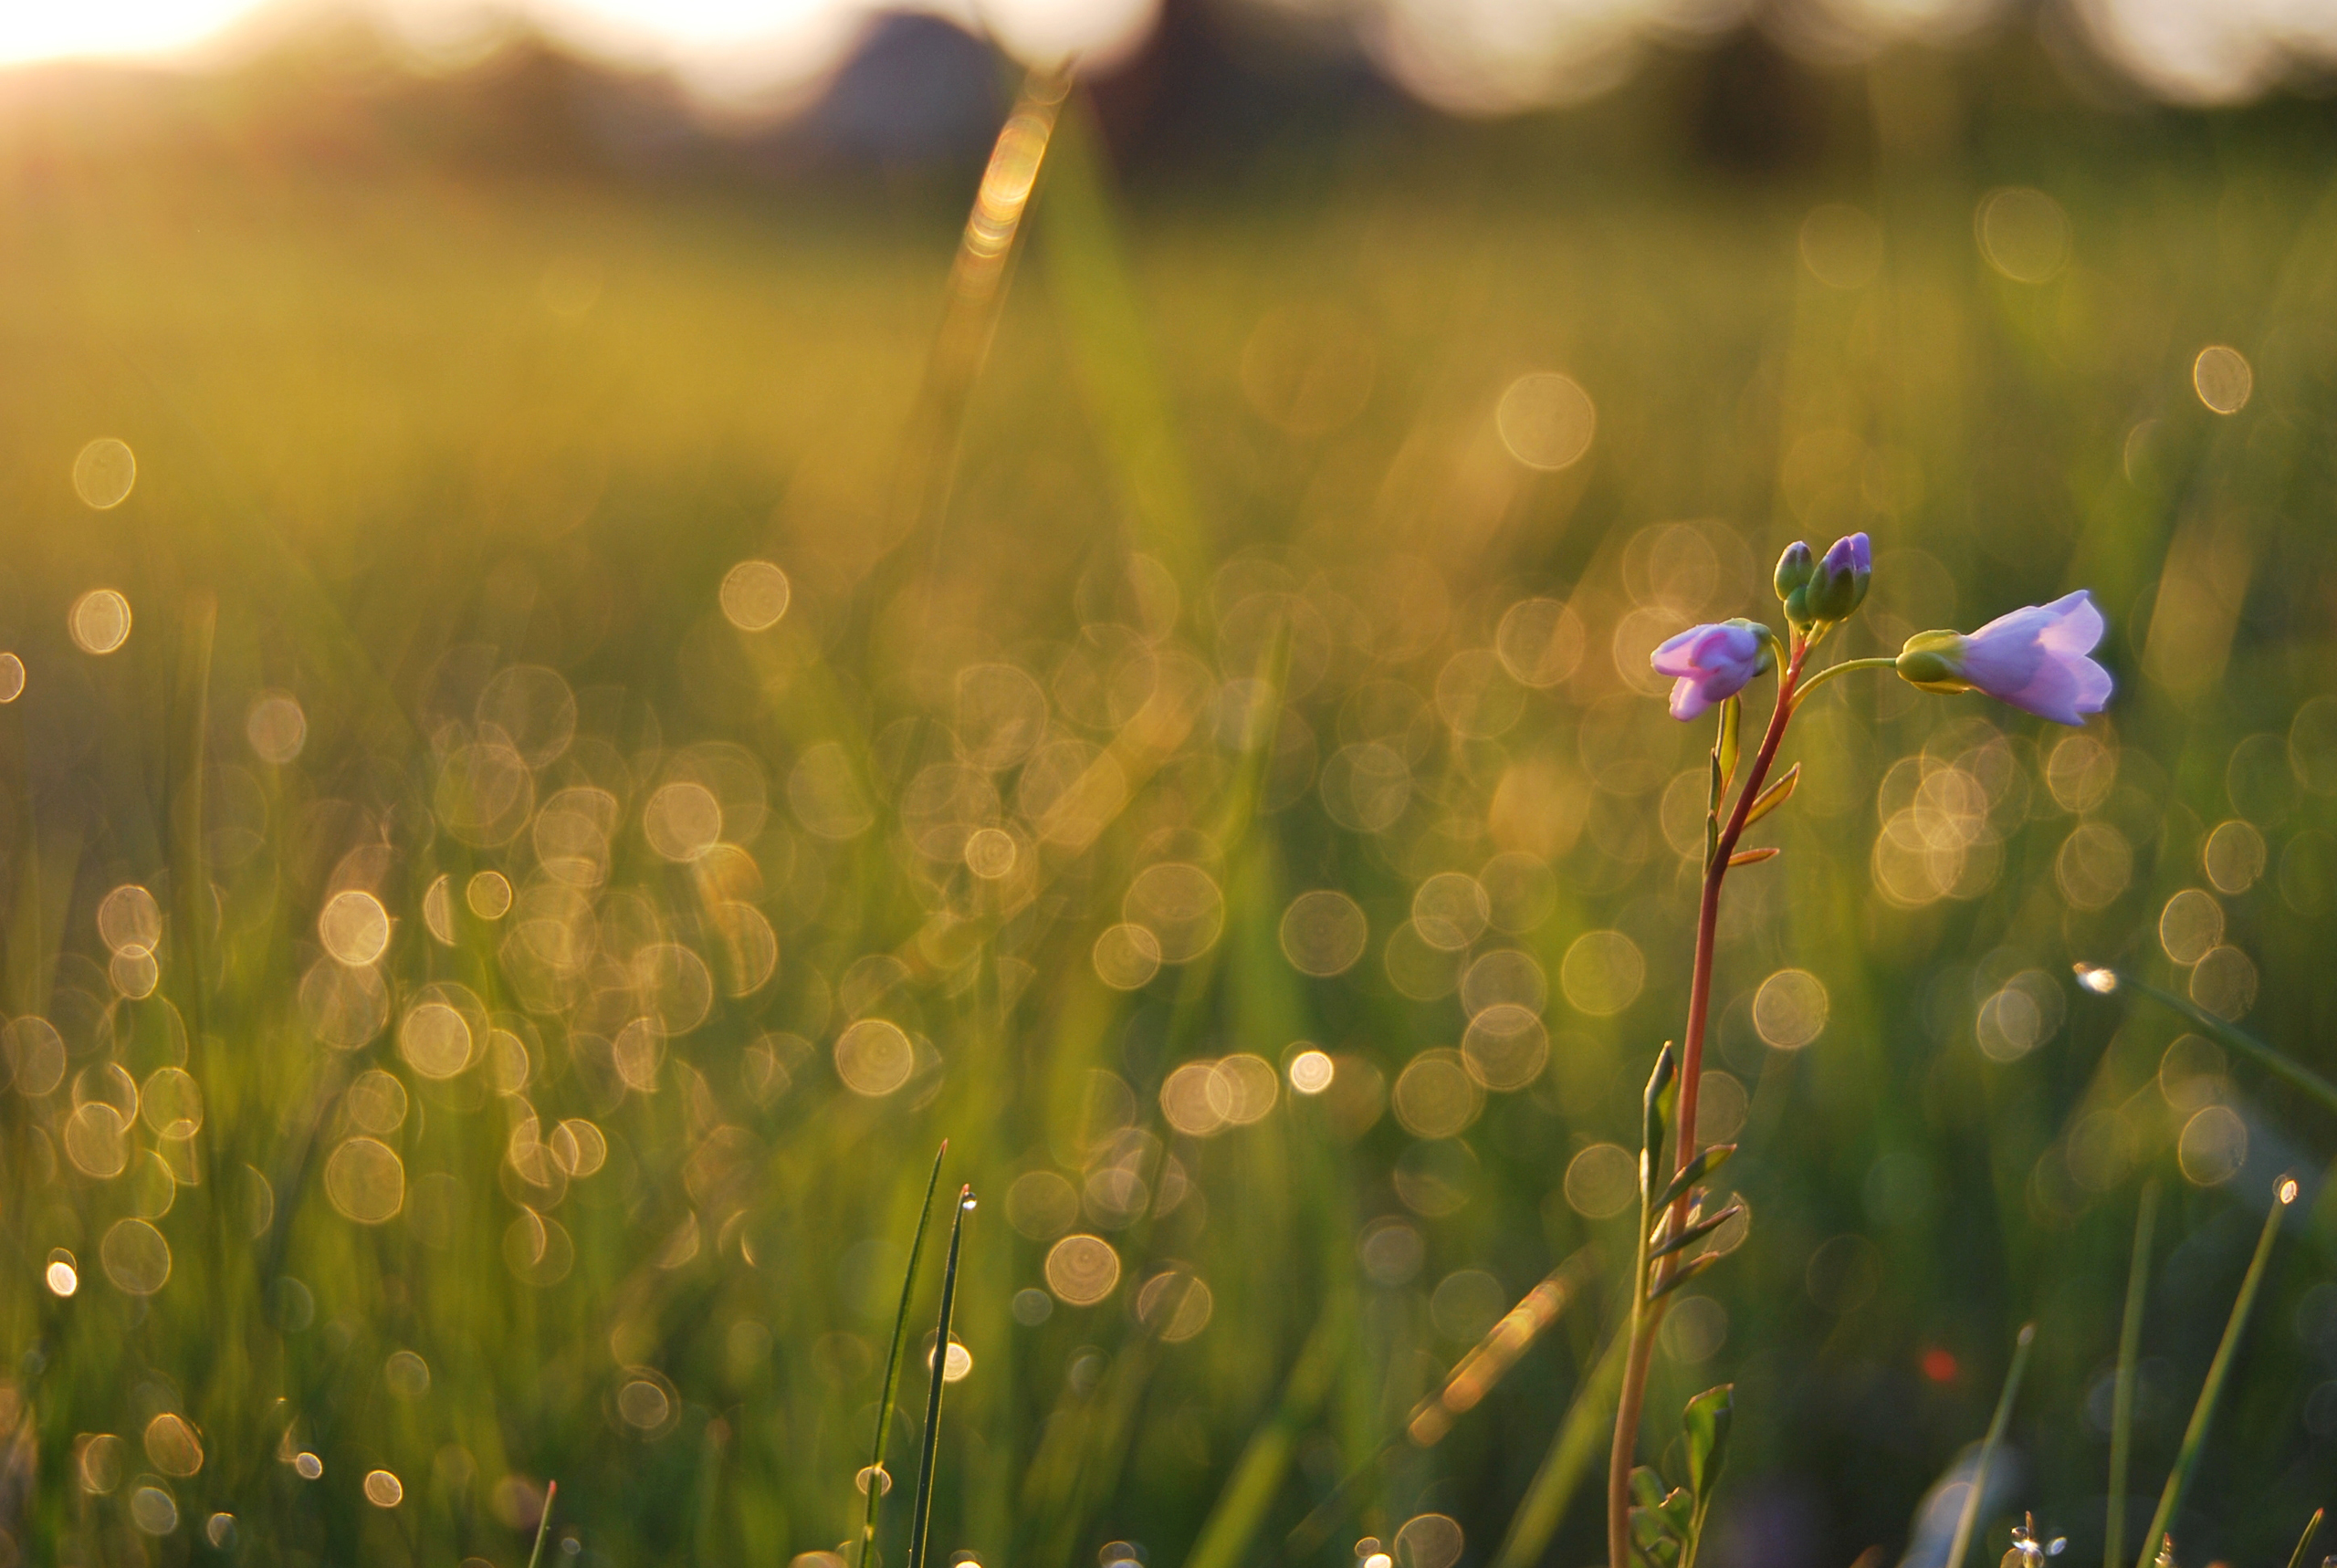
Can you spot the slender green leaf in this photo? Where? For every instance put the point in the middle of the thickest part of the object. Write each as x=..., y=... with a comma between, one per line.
x=1707, y=1161
x=1249, y=1493
x=875, y=1475
x=2211, y=1393
x=1695, y=1232
x=1731, y=744
x=2304, y=1541
x=922, y=1515
x=2121, y=1407
x=1774, y=795
x=1704, y=1426
x=1683, y=1274
x=1706, y=1422
x=2114, y=982
x=1970, y=1517
x=1580, y=1439
x=543, y=1522
x=1656, y=1106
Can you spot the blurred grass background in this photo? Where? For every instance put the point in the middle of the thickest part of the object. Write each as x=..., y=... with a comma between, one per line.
x=1253, y=574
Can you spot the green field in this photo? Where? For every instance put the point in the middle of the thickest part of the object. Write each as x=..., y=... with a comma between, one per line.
x=1122, y=632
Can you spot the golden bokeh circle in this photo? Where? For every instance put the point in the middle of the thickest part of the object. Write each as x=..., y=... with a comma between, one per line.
x=1082, y=1270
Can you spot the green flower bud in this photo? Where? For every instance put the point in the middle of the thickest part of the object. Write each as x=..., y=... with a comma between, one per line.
x=1837, y=586
x=1794, y=568
x=1934, y=662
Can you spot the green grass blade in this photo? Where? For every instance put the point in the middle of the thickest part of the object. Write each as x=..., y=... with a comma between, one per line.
x=543, y=1522
x=2304, y=1541
x=1970, y=1518
x=1240, y=1508
x=893, y=1360
x=2203, y=1414
x=2112, y=982
x=1582, y=1437
x=922, y=1515
x=2121, y=1407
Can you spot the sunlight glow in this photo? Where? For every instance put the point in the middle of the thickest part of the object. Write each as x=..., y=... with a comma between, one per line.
x=1470, y=57
x=723, y=47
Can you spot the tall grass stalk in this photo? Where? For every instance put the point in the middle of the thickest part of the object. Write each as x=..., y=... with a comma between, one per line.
x=1569, y=1461
x=2304, y=1541
x=1970, y=1518
x=2211, y=1393
x=921, y=1516
x=2114, y=982
x=2121, y=1407
x=1265, y=1459
x=543, y=1522
x=875, y=1473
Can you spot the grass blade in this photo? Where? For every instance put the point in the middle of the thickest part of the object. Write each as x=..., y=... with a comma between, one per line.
x=543, y=1522
x=1581, y=1438
x=2304, y=1541
x=2122, y=1406
x=1970, y=1517
x=923, y=1512
x=1465, y=1387
x=2195, y=1436
x=893, y=1362
x=2104, y=982
x=1249, y=1493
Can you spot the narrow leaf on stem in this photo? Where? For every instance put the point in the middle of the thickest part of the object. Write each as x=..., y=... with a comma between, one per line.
x=1774, y=795
x=1755, y=857
x=1683, y=1274
x=1730, y=746
x=1695, y=1232
x=1706, y=1162
x=1656, y=1106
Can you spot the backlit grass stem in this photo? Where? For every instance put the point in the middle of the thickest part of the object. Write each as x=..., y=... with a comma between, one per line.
x=2211, y=1393
x=543, y=1522
x=921, y=1516
x=1967, y=1521
x=2107, y=982
x=2121, y=1406
x=875, y=1473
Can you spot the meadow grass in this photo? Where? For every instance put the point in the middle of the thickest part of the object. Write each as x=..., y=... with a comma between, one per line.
x=558, y=952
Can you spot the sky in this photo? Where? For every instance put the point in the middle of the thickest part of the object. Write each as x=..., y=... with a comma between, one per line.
x=1471, y=56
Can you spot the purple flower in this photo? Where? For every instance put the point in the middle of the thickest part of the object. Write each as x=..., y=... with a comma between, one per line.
x=1712, y=664
x=2035, y=658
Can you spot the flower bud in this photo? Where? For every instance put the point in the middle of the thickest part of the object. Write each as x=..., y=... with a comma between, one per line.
x=1794, y=568
x=1838, y=585
x=1934, y=662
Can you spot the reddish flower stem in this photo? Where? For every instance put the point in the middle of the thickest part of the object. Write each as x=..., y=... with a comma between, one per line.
x=1646, y=1314
x=1700, y=987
